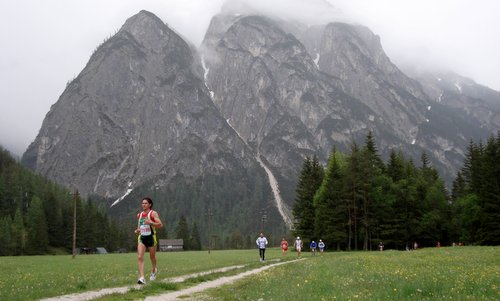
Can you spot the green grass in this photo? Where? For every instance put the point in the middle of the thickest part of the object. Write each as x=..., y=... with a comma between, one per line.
x=460, y=273
x=34, y=277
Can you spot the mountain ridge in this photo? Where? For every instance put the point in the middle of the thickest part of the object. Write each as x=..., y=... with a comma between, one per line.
x=149, y=113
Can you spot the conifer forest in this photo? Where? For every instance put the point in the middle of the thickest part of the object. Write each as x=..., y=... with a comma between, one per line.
x=354, y=202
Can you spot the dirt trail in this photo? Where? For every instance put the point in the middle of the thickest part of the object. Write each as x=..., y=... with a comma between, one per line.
x=172, y=295
x=211, y=284
x=124, y=289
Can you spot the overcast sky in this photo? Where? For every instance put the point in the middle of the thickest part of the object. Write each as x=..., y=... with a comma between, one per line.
x=47, y=43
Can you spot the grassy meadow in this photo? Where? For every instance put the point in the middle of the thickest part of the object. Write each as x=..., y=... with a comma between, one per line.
x=34, y=277
x=460, y=273
x=454, y=273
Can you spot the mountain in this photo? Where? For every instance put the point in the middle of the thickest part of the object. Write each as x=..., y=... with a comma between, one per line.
x=268, y=87
x=139, y=120
x=292, y=90
x=219, y=134
x=478, y=102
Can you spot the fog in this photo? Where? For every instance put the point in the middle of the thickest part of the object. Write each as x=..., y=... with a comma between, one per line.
x=47, y=43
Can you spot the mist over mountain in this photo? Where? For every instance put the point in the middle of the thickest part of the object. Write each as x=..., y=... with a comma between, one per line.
x=214, y=129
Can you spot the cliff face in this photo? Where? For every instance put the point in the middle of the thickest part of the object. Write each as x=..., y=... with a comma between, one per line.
x=480, y=104
x=211, y=130
x=354, y=54
x=270, y=89
x=138, y=110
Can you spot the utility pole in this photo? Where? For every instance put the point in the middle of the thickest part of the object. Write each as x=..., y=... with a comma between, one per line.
x=209, y=215
x=75, y=196
x=156, y=190
x=263, y=219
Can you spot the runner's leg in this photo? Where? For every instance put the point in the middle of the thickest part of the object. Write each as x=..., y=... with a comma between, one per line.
x=152, y=255
x=141, y=249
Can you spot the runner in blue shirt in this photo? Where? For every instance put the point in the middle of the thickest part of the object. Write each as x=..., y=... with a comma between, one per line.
x=313, y=248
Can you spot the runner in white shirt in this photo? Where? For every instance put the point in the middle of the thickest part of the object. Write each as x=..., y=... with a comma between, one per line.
x=321, y=246
x=261, y=244
x=298, y=245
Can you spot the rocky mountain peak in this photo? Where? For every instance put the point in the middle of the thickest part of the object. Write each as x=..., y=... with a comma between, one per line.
x=359, y=37
x=135, y=107
x=263, y=38
x=150, y=31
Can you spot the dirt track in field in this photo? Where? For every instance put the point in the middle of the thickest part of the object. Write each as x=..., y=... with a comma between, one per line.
x=171, y=295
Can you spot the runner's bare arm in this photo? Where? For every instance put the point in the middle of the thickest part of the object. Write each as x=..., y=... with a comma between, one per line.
x=157, y=223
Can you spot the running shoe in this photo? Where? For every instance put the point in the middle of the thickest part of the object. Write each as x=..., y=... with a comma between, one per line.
x=153, y=275
x=141, y=281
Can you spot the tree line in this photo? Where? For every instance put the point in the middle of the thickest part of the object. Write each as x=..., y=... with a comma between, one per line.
x=358, y=201
x=354, y=202
x=36, y=215
x=192, y=238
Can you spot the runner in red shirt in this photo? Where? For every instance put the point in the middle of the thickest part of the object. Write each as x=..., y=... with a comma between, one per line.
x=284, y=246
x=147, y=223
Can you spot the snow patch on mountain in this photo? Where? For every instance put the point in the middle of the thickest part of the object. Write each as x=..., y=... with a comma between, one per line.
x=205, y=75
x=316, y=60
x=280, y=205
x=129, y=190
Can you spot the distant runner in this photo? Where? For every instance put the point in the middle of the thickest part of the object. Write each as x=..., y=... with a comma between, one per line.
x=284, y=246
x=261, y=243
x=321, y=246
x=298, y=245
x=312, y=245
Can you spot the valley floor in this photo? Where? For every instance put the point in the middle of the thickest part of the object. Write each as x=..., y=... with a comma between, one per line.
x=172, y=295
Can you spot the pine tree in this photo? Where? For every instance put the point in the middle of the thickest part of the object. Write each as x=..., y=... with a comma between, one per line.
x=372, y=167
x=303, y=209
x=395, y=167
x=490, y=194
x=331, y=207
x=182, y=232
x=371, y=152
x=67, y=225
x=54, y=219
x=431, y=205
x=354, y=193
x=429, y=174
x=458, y=189
x=90, y=224
x=467, y=218
x=434, y=222
x=472, y=168
x=81, y=229
x=37, y=238
x=18, y=233
x=405, y=219
x=382, y=212
x=5, y=236
x=195, y=241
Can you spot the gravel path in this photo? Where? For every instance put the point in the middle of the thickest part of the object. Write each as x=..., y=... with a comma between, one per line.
x=122, y=290
x=172, y=295
x=211, y=284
